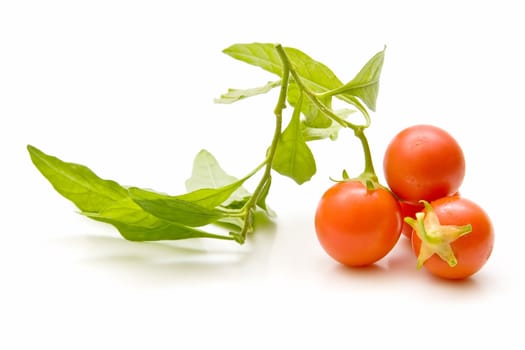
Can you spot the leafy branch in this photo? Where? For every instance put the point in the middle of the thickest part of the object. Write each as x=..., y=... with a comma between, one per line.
x=215, y=197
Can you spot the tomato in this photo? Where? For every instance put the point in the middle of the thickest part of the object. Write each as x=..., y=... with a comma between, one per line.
x=469, y=251
x=409, y=210
x=357, y=226
x=423, y=162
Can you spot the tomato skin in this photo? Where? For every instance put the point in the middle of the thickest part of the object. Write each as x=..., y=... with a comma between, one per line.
x=409, y=210
x=356, y=226
x=423, y=162
x=472, y=250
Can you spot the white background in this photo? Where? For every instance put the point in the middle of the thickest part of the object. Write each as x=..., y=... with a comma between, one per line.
x=127, y=88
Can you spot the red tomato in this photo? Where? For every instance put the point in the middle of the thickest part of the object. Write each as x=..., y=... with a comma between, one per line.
x=471, y=250
x=409, y=210
x=423, y=162
x=357, y=226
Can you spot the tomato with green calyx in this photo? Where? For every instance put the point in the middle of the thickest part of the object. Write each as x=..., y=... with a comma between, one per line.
x=423, y=162
x=452, y=238
x=355, y=225
x=409, y=209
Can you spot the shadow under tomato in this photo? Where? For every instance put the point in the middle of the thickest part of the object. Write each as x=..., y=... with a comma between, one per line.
x=404, y=259
x=401, y=260
x=371, y=277
x=466, y=284
x=372, y=271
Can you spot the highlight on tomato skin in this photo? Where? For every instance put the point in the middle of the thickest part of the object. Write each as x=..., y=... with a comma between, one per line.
x=471, y=250
x=423, y=162
x=357, y=226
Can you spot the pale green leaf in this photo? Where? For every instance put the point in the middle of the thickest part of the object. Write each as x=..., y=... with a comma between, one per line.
x=332, y=132
x=317, y=77
x=313, y=134
x=315, y=74
x=234, y=95
x=207, y=173
x=262, y=55
x=365, y=84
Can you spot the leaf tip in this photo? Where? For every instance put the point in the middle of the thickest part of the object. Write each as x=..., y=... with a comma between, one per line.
x=34, y=152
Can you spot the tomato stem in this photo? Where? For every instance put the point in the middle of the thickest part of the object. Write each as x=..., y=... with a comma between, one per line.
x=368, y=177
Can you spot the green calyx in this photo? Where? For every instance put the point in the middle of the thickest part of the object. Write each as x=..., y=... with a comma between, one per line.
x=368, y=177
x=435, y=238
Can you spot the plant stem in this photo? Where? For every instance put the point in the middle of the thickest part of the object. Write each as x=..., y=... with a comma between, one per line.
x=314, y=98
x=250, y=206
x=368, y=176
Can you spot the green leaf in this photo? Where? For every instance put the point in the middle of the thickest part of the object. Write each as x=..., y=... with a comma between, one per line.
x=173, y=209
x=125, y=211
x=162, y=231
x=315, y=75
x=211, y=197
x=77, y=183
x=365, y=84
x=314, y=134
x=332, y=132
x=208, y=174
x=293, y=157
x=234, y=95
x=262, y=55
x=109, y=202
x=313, y=116
x=135, y=224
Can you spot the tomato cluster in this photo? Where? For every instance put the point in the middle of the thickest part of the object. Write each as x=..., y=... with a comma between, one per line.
x=358, y=223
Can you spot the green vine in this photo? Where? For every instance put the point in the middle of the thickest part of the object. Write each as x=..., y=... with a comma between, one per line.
x=215, y=197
